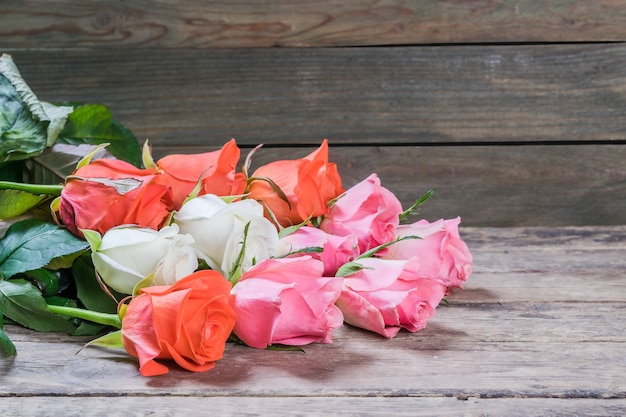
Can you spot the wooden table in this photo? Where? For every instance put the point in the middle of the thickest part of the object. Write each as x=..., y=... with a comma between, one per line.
x=538, y=330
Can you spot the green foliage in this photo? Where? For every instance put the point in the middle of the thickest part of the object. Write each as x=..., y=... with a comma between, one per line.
x=7, y=348
x=27, y=126
x=94, y=124
x=42, y=264
x=24, y=304
x=14, y=203
x=414, y=209
x=88, y=289
x=32, y=244
x=109, y=340
x=48, y=282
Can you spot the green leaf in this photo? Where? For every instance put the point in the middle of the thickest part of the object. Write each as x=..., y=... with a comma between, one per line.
x=93, y=238
x=32, y=244
x=14, y=203
x=349, y=269
x=87, y=328
x=61, y=160
x=308, y=249
x=6, y=346
x=27, y=126
x=414, y=209
x=47, y=281
x=23, y=303
x=110, y=340
x=88, y=288
x=12, y=171
x=373, y=251
x=93, y=124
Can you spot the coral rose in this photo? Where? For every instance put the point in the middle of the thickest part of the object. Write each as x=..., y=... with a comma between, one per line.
x=286, y=301
x=309, y=184
x=215, y=171
x=108, y=193
x=188, y=322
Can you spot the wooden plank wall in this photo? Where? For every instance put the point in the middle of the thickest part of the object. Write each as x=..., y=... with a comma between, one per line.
x=512, y=110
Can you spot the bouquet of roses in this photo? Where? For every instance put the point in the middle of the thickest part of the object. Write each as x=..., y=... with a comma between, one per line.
x=185, y=253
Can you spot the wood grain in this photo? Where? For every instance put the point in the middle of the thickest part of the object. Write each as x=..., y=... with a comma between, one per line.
x=245, y=23
x=507, y=136
x=492, y=185
x=510, y=343
x=412, y=95
x=312, y=406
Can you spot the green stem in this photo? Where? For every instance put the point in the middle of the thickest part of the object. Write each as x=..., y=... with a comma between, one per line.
x=107, y=319
x=54, y=190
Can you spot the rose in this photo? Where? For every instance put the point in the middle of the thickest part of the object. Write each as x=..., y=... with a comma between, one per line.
x=309, y=183
x=125, y=256
x=220, y=230
x=385, y=296
x=335, y=250
x=188, y=322
x=368, y=211
x=439, y=253
x=286, y=301
x=109, y=193
x=214, y=170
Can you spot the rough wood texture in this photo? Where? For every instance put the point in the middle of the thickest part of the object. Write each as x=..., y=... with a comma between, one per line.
x=507, y=135
x=539, y=330
x=245, y=23
x=412, y=95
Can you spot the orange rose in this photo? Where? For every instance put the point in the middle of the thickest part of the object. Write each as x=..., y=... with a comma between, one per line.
x=215, y=169
x=108, y=193
x=309, y=184
x=188, y=322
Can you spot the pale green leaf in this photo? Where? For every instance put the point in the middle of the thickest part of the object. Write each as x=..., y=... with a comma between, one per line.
x=14, y=203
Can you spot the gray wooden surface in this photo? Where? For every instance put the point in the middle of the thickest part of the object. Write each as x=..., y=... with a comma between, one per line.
x=507, y=135
x=538, y=330
x=514, y=111
x=266, y=23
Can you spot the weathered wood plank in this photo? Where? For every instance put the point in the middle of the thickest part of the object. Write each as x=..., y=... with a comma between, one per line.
x=183, y=98
x=356, y=364
x=555, y=185
x=154, y=23
x=491, y=321
x=503, y=186
x=186, y=101
x=519, y=355
x=311, y=406
x=578, y=253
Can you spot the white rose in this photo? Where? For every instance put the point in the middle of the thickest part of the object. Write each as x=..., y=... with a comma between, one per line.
x=218, y=230
x=126, y=255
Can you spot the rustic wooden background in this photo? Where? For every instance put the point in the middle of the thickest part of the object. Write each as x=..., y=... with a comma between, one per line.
x=514, y=111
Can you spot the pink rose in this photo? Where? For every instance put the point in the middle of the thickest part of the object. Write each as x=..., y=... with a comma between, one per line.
x=286, y=301
x=385, y=296
x=336, y=250
x=368, y=211
x=439, y=253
